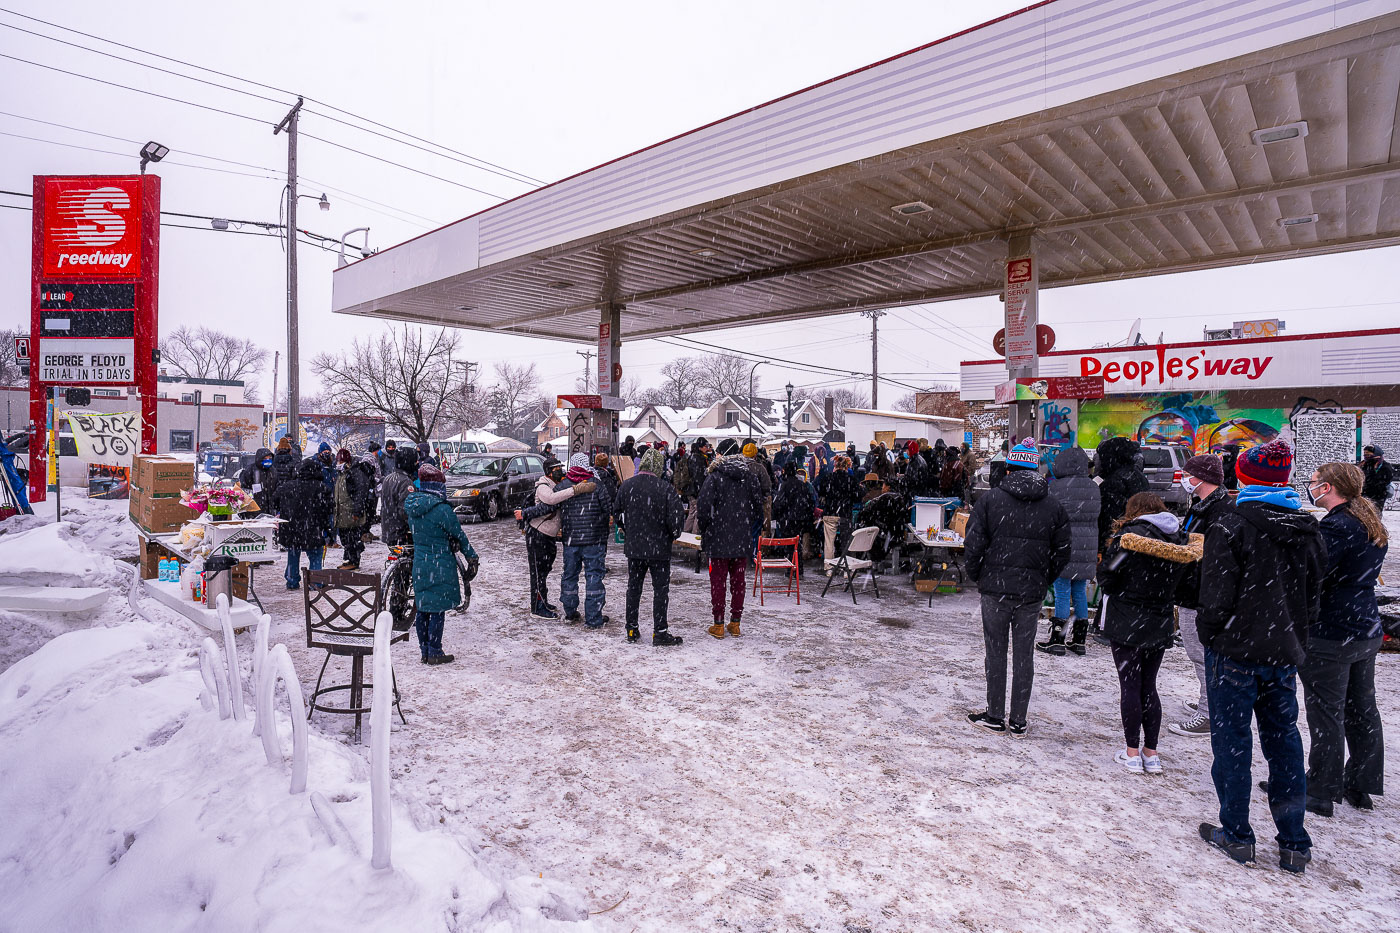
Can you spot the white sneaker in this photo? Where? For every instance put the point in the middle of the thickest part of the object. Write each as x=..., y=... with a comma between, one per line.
x=1152, y=764
x=1189, y=705
x=1131, y=763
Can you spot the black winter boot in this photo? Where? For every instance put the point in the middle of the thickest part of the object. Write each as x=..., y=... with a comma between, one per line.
x=1054, y=643
x=1081, y=631
x=664, y=639
x=633, y=634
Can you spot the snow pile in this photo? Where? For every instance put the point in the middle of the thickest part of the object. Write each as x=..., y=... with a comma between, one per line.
x=52, y=555
x=128, y=806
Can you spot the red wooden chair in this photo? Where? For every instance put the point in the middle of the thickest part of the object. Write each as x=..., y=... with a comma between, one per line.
x=787, y=565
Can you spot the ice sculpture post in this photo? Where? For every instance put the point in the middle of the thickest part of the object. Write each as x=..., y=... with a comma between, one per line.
x=259, y=663
x=381, y=713
x=235, y=673
x=211, y=668
x=278, y=666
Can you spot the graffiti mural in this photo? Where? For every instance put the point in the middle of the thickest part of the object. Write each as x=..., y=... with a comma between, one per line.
x=1202, y=421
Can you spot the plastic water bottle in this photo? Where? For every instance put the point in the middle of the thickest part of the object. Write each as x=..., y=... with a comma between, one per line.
x=164, y=575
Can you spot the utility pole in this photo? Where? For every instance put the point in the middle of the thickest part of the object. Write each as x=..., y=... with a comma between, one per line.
x=270, y=420
x=874, y=314
x=289, y=123
x=587, y=367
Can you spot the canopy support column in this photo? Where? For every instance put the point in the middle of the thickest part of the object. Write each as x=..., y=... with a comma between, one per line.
x=1021, y=296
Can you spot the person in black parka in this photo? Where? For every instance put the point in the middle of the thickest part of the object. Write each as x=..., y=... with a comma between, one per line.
x=259, y=479
x=1141, y=572
x=1017, y=542
x=1080, y=496
x=1377, y=474
x=731, y=500
x=306, y=516
x=651, y=516
x=1115, y=464
x=285, y=460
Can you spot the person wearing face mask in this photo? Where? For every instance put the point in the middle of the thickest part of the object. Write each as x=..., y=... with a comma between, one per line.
x=541, y=525
x=1203, y=478
x=1339, y=672
x=259, y=479
x=1377, y=476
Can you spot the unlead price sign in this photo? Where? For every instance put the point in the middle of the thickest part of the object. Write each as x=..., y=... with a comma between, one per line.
x=84, y=362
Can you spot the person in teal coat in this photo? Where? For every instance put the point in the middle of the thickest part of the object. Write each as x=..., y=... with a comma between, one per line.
x=434, y=527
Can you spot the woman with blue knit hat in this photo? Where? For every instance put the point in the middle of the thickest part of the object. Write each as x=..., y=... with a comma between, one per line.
x=1018, y=541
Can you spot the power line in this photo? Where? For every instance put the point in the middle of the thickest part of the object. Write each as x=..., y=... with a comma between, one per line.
x=418, y=171
x=774, y=359
x=475, y=161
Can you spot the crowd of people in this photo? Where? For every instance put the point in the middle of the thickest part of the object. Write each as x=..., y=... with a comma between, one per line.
x=1260, y=592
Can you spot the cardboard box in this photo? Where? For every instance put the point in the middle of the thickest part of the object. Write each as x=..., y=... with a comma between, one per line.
x=242, y=541
x=960, y=520
x=158, y=514
x=160, y=476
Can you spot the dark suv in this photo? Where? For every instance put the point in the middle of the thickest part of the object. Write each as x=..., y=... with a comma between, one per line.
x=485, y=485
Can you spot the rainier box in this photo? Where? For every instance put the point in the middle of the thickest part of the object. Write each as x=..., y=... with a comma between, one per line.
x=242, y=541
x=161, y=476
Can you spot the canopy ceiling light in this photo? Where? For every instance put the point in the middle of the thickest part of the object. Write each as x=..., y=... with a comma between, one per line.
x=913, y=207
x=1296, y=221
x=1277, y=134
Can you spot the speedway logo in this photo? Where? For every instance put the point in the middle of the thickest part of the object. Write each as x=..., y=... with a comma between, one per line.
x=1170, y=367
x=92, y=226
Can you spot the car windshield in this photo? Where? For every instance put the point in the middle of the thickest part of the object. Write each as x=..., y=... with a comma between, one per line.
x=477, y=466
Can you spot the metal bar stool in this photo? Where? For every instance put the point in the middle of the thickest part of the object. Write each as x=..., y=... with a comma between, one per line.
x=341, y=607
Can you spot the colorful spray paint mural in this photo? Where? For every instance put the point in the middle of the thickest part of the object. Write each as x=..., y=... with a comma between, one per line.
x=1202, y=421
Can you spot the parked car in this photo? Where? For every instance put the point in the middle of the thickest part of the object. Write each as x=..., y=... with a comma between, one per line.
x=484, y=486
x=1163, y=464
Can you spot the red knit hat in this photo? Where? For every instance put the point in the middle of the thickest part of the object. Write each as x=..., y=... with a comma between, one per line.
x=1266, y=465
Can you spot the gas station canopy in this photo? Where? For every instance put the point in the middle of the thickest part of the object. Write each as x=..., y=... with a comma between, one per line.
x=1130, y=139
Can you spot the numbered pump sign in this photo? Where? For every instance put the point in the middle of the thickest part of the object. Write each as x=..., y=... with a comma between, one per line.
x=94, y=281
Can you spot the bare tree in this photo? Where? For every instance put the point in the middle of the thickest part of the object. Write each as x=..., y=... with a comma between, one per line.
x=843, y=399
x=404, y=376
x=678, y=382
x=720, y=374
x=235, y=432
x=205, y=353
x=515, y=400
x=9, y=366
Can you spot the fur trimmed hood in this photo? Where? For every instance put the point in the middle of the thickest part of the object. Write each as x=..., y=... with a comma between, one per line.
x=1187, y=553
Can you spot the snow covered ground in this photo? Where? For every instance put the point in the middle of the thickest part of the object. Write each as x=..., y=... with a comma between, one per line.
x=816, y=774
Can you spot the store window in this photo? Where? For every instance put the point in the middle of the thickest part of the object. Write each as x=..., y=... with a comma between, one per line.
x=181, y=440
x=220, y=399
x=107, y=393
x=187, y=397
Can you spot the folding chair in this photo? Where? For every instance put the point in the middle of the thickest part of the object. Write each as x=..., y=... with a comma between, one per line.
x=791, y=566
x=341, y=608
x=855, y=559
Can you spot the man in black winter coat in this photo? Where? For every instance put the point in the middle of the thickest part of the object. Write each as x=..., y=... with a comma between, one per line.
x=651, y=516
x=306, y=515
x=284, y=461
x=1260, y=590
x=259, y=479
x=1018, y=541
x=584, y=524
x=1115, y=463
x=1377, y=475
x=731, y=500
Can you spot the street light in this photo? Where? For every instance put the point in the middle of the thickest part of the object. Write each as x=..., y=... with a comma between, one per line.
x=789, y=411
x=152, y=152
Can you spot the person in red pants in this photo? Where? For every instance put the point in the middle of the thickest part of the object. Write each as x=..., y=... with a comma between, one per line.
x=730, y=503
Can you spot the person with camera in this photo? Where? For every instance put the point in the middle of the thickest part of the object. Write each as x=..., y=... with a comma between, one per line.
x=436, y=587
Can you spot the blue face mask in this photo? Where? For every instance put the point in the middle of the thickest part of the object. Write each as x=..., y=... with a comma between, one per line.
x=267, y=464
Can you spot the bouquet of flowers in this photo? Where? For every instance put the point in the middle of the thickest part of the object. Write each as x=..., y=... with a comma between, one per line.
x=220, y=499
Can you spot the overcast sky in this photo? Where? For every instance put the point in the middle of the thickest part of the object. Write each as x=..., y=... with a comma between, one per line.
x=545, y=89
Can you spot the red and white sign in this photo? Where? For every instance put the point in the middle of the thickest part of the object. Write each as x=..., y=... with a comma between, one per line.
x=1020, y=313
x=1044, y=340
x=1303, y=361
x=605, y=360
x=21, y=349
x=92, y=227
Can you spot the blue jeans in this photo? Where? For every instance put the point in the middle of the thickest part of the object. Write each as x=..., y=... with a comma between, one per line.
x=1067, y=591
x=313, y=559
x=429, y=627
x=1240, y=692
x=588, y=558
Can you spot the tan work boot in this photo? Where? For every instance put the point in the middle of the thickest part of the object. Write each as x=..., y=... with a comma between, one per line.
x=734, y=628
x=716, y=630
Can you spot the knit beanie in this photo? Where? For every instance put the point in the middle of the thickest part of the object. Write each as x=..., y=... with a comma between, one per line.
x=654, y=461
x=1266, y=465
x=285, y=443
x=727, y=447
x=912, y=447
x=428, y=473
x=750, y=450
x=1208, y=468
x=1023, y=457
